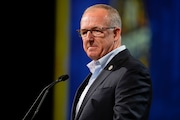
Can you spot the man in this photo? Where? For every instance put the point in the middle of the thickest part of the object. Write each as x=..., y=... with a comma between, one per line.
x=119, y=86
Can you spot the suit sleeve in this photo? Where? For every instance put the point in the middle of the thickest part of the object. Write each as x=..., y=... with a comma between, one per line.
x=133, y=96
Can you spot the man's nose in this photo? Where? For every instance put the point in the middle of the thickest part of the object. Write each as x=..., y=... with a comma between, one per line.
x=89, y=34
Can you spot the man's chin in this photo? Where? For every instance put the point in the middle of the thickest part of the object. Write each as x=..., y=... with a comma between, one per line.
x=93, y=56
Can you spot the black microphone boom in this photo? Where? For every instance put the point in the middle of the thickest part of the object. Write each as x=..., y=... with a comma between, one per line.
x=45, y=91
x=63, y=78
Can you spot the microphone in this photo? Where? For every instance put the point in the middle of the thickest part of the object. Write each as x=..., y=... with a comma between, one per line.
x=45, y=91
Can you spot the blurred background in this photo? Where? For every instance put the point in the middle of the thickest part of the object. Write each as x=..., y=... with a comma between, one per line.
x=40, y=43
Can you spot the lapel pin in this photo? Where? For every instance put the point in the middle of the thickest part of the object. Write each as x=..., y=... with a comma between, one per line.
x=110, y=67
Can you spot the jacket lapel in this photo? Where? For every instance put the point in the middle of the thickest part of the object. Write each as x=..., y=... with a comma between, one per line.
x=78, y=94
x=93, y=87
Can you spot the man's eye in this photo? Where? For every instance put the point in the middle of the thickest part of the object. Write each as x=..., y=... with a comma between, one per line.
x=97, y=31
x=84, y=32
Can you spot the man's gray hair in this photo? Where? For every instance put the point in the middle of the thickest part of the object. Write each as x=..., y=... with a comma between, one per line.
x=113, y=14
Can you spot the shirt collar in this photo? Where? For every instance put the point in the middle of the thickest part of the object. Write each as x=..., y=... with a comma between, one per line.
x=105, y=59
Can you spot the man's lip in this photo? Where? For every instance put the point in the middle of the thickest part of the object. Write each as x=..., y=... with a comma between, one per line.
x=92, y=47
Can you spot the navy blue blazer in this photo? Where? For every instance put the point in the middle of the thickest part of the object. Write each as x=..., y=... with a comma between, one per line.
x=122, y=91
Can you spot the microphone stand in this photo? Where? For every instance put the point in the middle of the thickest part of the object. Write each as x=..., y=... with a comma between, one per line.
x=45, y=91
x=37, y=109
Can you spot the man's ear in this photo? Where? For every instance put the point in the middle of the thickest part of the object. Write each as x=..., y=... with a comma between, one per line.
x=117, y=33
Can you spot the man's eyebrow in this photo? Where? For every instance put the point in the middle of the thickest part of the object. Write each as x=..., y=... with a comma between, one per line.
x=91, y=28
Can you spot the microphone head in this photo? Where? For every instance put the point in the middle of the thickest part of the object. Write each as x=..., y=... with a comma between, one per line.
x=63, y=78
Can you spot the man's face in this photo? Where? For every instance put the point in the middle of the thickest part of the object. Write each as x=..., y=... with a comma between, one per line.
x=97, y=46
